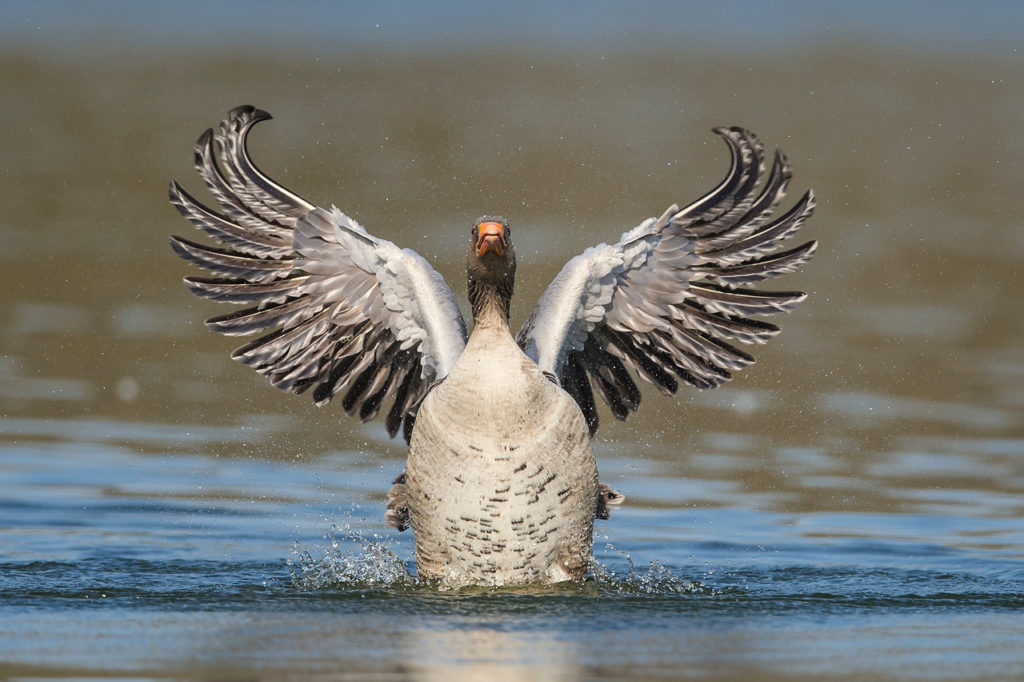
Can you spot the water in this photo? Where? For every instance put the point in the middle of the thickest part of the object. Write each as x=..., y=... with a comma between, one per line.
x=126, y=563
x=850, y=507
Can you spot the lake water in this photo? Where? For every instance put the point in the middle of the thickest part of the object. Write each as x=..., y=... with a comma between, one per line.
x=850, y=507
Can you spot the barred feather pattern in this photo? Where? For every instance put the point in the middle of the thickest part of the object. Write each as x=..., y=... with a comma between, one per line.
x=667, y=301
x=340, y=312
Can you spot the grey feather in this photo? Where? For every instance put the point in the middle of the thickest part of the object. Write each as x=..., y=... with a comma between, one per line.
x=231, y=264
x=667, y=299
x=246, y=240
x=340, y=311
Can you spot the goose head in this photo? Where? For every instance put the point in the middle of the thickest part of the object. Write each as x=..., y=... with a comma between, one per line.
x=490, y=268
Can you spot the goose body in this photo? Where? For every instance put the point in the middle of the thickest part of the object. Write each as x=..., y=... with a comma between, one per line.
x=501, y=484
x=503, y=500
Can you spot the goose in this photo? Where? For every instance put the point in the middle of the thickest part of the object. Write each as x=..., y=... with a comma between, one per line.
x=501, y=484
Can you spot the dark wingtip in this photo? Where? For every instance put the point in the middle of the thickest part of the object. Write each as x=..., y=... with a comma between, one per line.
x=730, y=133
x=241, y=111
x=248, y=111
x=176, y=244
x=174, y=193
x=726, y=131
x=407, y=426
x=202, y=141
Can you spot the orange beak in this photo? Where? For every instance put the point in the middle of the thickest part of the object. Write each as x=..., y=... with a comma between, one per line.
x=490, y=237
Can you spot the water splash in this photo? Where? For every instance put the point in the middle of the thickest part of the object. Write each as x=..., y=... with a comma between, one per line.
x=658, y=579
x=355, y=561
x=352, y=560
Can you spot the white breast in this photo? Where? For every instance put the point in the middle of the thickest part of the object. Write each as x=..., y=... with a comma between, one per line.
x=501, y=479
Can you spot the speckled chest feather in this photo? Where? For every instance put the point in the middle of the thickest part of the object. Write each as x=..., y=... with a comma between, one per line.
x=501, y=479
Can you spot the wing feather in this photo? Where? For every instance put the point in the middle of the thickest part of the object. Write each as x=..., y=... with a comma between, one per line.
x=231, y=264
x=259, y=194
x=338, y=310
x=247, y=240
x=669, y=298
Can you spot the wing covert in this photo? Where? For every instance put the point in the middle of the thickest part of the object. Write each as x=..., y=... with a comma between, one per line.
x=669, y=299
x=340, y=311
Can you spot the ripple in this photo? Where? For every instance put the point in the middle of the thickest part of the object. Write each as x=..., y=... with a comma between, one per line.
x=896, y=408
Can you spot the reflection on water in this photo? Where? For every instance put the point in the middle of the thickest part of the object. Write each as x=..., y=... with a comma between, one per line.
x=850, y=504
x=489, y=654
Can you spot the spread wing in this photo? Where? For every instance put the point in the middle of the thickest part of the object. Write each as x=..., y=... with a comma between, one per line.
x=340, y=311
x=669, y=299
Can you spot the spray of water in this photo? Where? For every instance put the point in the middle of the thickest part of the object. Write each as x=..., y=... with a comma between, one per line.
x=353, y=560
x=657, y=579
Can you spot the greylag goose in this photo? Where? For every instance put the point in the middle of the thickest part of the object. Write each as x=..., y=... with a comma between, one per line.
x=500, y=485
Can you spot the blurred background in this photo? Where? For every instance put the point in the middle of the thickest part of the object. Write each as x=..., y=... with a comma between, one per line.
x=852, y=502
x=576, y=122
